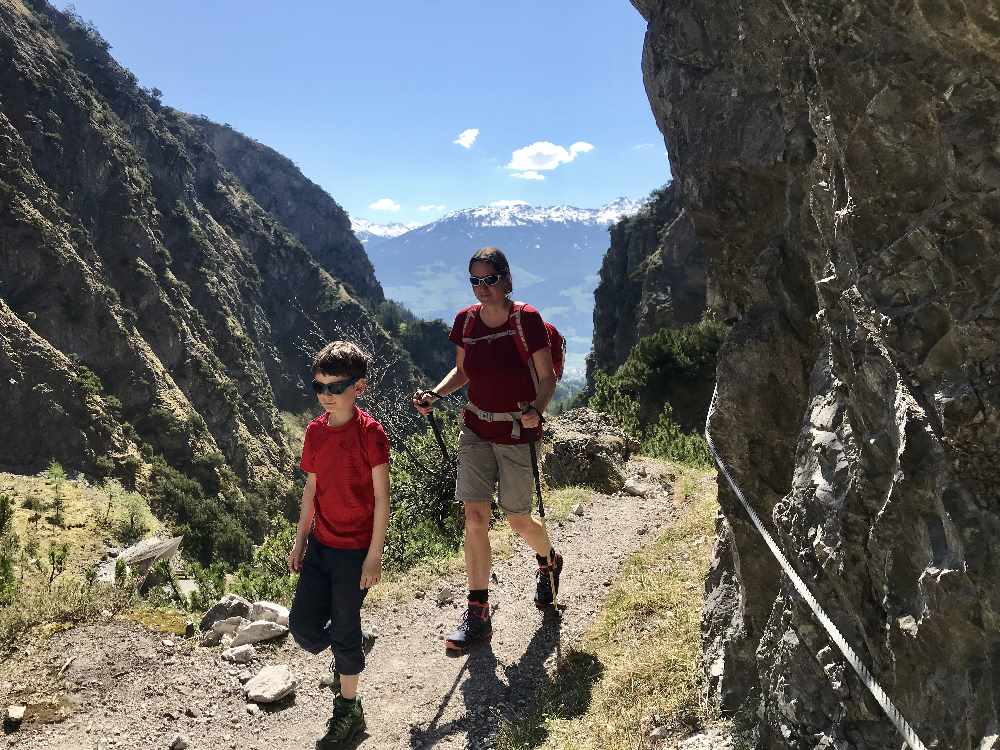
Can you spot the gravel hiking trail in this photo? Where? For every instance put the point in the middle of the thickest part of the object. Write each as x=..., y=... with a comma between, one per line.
x=122, y=686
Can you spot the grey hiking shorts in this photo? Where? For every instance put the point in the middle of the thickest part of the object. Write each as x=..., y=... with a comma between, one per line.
x=481, y=464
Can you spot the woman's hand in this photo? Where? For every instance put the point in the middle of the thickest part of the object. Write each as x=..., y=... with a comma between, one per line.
x=371, y=570
x=422, y=401
x=296, y=554
x=530, y=417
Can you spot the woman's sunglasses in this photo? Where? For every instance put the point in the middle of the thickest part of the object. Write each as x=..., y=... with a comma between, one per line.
x=334, y=389
x=490, y=280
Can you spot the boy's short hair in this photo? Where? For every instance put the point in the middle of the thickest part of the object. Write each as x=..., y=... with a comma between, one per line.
x=341, y=358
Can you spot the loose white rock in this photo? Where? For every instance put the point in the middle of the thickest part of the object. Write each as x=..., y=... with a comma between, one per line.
x=255, y=632
x=269, y=611
x=240, y=654
x=271, y=684
x=578, y=509
x=633, y=487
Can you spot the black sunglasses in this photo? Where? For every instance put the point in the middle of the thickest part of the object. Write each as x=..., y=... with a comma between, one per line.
x=490, y=280
x=334, y=389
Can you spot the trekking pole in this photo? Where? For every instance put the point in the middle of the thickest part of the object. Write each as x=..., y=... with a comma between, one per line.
x=434, y=426
x=541, y=512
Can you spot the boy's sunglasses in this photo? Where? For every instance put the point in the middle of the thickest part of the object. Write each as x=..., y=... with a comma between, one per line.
x=334, y=389
x=490, y=280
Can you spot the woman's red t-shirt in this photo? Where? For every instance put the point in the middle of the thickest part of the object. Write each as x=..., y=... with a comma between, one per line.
x=499, y=379
x=342, y=459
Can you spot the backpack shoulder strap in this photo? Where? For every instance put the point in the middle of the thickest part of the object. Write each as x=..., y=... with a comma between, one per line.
x=522, y=341
x=470, y=320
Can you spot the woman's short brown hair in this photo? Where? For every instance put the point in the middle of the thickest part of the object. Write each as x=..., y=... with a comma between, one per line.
x=341, y=358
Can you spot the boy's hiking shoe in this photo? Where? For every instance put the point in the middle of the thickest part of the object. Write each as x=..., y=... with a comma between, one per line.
x=345, y=726
x=476, y=628
x=544, y=596
x=333, y=679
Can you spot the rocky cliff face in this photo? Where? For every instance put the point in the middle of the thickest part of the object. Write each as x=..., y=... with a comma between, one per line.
x=280, y=188
x=652, y=277
x=146, y=297
x=840, y=163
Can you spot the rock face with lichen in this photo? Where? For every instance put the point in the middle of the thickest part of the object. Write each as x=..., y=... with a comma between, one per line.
x=841, y=167
x=149, y=305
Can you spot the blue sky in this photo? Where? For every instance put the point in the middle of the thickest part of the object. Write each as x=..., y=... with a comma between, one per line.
x=368, y=99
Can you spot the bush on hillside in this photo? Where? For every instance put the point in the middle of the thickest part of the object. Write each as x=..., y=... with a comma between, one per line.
x=660, y=393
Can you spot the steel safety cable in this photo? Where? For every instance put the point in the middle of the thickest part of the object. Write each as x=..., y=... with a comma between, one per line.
x=880, y=695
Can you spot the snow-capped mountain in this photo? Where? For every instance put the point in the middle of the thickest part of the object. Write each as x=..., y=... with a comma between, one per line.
x=555, y=254
x=365, y=230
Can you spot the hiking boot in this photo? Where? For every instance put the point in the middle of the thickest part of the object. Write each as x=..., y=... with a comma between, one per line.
x=333, y=680
x=345, y=726
x=544, y=595
x=476, y=628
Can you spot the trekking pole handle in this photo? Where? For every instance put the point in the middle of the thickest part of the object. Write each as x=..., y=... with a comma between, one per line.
x=435, y=394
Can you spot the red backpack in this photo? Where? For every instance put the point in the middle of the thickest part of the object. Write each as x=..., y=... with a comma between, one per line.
x=557, y=343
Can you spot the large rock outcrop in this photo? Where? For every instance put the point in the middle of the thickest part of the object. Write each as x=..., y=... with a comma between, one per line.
x=147, y=301
x=652, y=277
x=841, y=165
x=280, y=188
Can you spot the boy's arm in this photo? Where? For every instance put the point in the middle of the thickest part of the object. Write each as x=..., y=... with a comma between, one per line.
x=371, y=570
x=306, y=512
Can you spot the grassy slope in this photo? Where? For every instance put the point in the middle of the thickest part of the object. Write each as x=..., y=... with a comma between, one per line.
x=638, y=666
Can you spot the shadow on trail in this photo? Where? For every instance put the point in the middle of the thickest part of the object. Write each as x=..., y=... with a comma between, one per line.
x=490, y=702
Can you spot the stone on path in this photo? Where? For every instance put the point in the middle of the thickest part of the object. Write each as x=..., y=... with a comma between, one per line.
x=578, y=509
x=221, y=628
x=269, y=611
x=229, y=606
x=179, y=742
x=445, y=596
x=255, y=632
x=240, y=654
x=633, y=487
x=271, y=684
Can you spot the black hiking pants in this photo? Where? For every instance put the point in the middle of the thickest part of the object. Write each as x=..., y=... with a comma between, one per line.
x=326, y=611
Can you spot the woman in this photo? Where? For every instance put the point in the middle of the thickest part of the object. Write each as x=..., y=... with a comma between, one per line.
x=502, y=352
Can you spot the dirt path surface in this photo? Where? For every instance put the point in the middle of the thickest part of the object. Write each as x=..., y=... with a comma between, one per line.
x=128, y=688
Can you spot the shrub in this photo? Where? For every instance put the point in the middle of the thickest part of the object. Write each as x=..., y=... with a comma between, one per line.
x=267, y=576
x=424, y=521
x=9, y=547
x=666, y=440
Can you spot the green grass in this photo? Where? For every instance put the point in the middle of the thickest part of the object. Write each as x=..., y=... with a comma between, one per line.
x=641, y=657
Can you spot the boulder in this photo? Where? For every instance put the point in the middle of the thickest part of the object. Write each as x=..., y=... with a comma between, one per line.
x=229, y=606
x=255, y=632
x=269, y=611
x=221, y=629
x=271, y=684
x=584, y=447
x=240, y=654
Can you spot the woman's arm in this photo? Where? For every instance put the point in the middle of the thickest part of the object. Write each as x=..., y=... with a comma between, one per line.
x=542, y=360
x=451, y=382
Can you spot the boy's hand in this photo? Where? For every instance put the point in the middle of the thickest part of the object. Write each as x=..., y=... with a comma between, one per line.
x=371, y=571
x=295, y=556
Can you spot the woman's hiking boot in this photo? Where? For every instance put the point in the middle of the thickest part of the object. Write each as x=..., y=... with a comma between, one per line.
x=333, y=679
x=476, y=628
x=345, y=726
x=547, y=575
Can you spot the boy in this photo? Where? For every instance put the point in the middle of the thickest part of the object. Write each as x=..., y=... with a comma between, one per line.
x=341, y=531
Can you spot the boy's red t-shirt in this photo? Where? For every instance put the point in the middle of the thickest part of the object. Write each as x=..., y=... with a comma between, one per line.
x=342, y=459
x=498, y=378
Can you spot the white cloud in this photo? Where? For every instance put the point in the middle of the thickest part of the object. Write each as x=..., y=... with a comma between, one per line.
x=384, y=204
x=432, y=207
x=543, y=155
x=531, y=174
x=509, y=204
x=467, y=137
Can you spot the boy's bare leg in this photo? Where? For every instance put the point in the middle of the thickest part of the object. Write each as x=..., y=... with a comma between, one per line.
x=349, y=685
x=533, y=532
x=477, y=544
